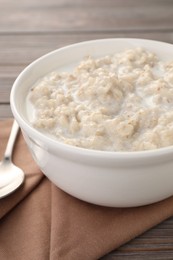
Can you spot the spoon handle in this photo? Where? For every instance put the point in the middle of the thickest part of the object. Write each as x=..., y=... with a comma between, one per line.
x=11, y=141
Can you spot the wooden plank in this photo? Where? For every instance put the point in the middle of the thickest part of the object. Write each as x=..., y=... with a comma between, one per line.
x=81, y=15
x=166, y=255
x=5, y=111
x=155, y=244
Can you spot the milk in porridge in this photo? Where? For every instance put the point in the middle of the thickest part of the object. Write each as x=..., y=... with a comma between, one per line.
x=119, y=102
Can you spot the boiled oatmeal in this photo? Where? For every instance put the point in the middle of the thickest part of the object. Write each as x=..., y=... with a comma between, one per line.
x=119, y=102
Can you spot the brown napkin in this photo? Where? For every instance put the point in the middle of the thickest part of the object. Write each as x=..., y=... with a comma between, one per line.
x=39, y=221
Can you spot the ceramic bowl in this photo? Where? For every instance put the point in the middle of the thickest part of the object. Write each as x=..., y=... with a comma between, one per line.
x=116, y=179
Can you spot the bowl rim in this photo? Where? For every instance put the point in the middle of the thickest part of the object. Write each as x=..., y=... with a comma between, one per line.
x=56, y=144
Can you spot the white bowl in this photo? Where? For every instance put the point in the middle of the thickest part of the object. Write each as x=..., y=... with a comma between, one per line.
x=116, y=179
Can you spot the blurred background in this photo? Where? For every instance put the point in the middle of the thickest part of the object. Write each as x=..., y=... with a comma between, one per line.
x=31, y=28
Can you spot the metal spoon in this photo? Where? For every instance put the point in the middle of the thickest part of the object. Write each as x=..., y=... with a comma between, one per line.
x=11, y=177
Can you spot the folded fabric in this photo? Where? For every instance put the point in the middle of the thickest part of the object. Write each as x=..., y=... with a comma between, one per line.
x=40, y=222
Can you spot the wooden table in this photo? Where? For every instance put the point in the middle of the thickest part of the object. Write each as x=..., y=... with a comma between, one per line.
x=31, y=28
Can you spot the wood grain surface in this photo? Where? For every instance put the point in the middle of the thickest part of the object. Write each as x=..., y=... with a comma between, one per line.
x=29, y=29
